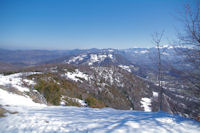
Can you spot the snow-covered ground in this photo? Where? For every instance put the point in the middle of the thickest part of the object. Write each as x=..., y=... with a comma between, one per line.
x=35, y=117
x=16, y=81
x=11, y=99
x=74, y=119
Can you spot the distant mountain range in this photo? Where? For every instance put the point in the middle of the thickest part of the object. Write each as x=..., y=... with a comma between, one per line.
x=121, y=79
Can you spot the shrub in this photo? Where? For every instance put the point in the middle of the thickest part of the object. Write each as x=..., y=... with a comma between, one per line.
x=50, y=90
x=94, y=103
x=71, y=102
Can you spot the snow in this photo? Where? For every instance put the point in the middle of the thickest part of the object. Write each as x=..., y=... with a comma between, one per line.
x=8, y=98
x=155, y=94
x=146, y=103
x=77, y=58
x=141, y=52
x=34, y=117
x=93, y=58
x=109, y=75
x=165, y=47
x=110, y=50
x=110, y=56
x=73, y=119
x=81, y=102
x=96, y=58
x=76, y=75
x=127, y=68
x=16, y=81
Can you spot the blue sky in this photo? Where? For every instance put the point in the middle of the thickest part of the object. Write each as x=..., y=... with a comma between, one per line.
x=70, y=24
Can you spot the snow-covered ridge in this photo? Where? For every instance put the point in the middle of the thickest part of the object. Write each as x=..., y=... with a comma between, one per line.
x=98, y=58
x=16, y=81
x=172, y=47
x=90, y=58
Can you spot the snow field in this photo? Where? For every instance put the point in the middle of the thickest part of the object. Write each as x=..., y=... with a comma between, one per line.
x=74, y=119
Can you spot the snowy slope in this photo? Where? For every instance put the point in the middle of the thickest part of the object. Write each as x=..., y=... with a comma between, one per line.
x=11, y=99
x=33, y=117
x=16, y=80
x=74, y=119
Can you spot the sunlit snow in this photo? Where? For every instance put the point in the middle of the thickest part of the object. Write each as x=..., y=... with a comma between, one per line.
x=16, y=81
x=11, y=99
x=146, y=104
x=77, y=58
x=155, y=94
x=127, y=68
x=33, y=117
x=81, y=120
x=76, y=75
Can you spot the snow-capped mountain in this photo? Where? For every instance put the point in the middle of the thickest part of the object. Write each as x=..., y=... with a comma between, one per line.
x=99, y=58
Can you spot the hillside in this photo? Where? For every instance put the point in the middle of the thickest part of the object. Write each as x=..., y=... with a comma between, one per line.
x=120, y=79
x=32, y=117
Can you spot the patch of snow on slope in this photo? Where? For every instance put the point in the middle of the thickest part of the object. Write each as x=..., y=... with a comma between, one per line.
x=77, y=58
x=104, y=73
x=127, y=68
x=16, y=81
x=8, y=98
x=76, y=75
x=73, y=119
x=155, y=94
x=146, y=103
x=96, y=58
x=81, y=102
x=110, y=56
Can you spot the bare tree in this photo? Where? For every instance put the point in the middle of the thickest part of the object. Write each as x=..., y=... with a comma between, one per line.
x=190, y=40
x=190, y=37
x=157, y=37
